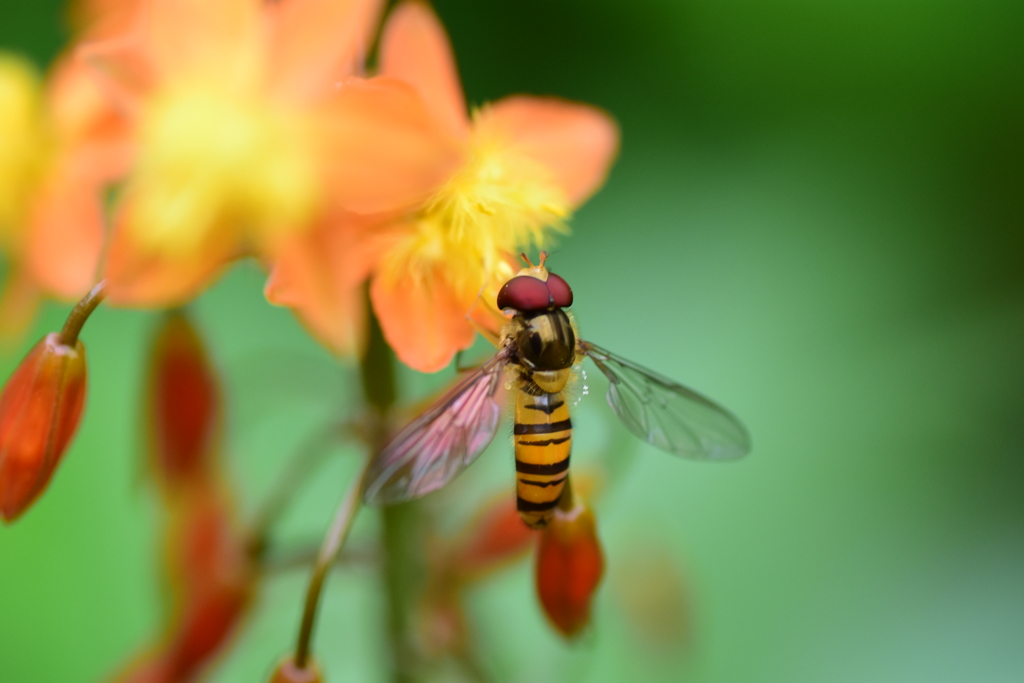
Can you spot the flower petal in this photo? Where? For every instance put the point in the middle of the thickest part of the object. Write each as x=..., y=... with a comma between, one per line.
x=67, y=232
x=320, y=275
x=316, y=42
x=84, y=115
x=424, y=321
x=100, y=17
x=199, y=36
x=384, y=150
x=147, y=279
x=19, y=301
x=119, y=62
x=574, y=141
x=415, y=49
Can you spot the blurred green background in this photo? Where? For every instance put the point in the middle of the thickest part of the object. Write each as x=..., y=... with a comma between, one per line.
x=817, y=218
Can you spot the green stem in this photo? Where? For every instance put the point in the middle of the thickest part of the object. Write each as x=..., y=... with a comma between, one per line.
x=333, y=542
x=402, y=524
x=81, y=312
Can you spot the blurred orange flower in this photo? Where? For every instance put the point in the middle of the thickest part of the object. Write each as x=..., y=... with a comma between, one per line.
x=525, y=163
x=246, y=122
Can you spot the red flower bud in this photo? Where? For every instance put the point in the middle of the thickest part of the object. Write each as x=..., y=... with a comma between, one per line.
x=288, y=672
x=208, y=620
x=184, y=403
x=495, y=537
x=206, y=551
x=40, y=408
x=570, y=564
x=212, y=585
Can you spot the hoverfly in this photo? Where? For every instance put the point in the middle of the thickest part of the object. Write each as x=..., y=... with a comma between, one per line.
x=539, y=347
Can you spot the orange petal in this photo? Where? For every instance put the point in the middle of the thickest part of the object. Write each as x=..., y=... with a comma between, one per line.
x=423, y=321
x=574, y=141
x=84, y=114
x=148, y=279
x=316, y=42
x=122, y=70
x=384, y=150
x=101, y=17
x=320, y=275
x=415, y=49
x=19, y=302
x=224, y=38
x=67, y=233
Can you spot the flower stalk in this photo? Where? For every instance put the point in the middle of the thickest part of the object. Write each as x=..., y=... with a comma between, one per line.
x=403, y=565
x=401, y=524
x=333, y=542
x=81, y=312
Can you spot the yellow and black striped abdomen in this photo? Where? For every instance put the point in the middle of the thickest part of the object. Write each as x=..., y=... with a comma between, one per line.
x=543, y=438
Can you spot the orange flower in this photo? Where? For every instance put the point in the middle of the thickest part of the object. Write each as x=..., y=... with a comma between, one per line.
x=40, y=409
x=246, y=123
x=184, y=405
x=525, y=163
x=570, y=564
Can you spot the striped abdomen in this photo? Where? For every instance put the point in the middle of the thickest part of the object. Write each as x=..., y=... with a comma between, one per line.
x=543, y=438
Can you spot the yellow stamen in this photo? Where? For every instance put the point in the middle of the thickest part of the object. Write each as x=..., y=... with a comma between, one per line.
x=500, y=200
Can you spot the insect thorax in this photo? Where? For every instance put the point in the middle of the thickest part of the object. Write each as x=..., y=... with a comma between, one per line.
x=545, y=347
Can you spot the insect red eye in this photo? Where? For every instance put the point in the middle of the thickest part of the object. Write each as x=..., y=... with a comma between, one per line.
x=561, y=293
x=524, y=293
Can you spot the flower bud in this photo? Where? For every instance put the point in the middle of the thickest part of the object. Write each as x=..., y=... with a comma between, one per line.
x=495, y=538
x=289, y=672
x=184, y=407
x=208, y=620
x=569, y=567
x=40, y=408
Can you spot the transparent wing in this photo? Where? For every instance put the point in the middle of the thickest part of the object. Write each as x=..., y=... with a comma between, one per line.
x=668, y=415
x=440, y=443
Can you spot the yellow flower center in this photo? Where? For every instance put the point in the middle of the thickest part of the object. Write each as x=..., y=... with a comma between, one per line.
x=501, y=200
x=24, y=144
x=217, y=160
